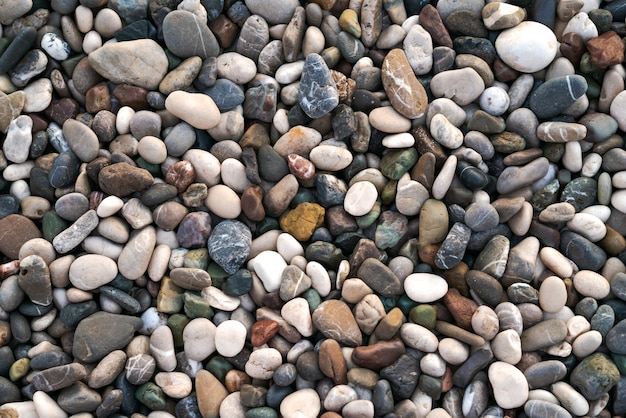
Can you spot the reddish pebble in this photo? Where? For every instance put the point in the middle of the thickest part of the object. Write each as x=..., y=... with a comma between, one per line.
x=180, y=175
x=263, y=331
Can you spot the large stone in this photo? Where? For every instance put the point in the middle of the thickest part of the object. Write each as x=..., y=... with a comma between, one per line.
x=186, y=35
x=15, y=230
x=405, y=92
x=103, y=332
x=229, y=245
x=527, y=47
x=141, y=63
x=317, y=94
x=335, y=320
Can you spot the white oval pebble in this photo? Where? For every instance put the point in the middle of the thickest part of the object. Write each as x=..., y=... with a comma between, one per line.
x=402, y=140
x=510, y=387
x=552, y=294
x=589, y=283
x=262, y=363
x=92, y=271
x=223, y=201
x=419, y=337
x=230, y=338
x=269, y=266
x=570, y=399
x=453, y=351
x=425, y=287
x=360, y=198
x=199, y=339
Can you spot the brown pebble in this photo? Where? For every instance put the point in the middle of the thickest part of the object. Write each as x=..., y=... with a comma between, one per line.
x=62, y=110
x=252, y=203
x=431, y=21
x=572, y=47
x=456, y=278
x=234, y=379
x=98, y=98
x=15, y=230
x=503, y=72
x=262, y=331
x=378, y=355
x=123, y=179
x=180, y=175
x=424, y=171
x=606, y=50
x=451, y=330
x=133, y=96
x=85, y=77
x=332, y=362
x=425, y=143
x=225, y=30
x=460, y=307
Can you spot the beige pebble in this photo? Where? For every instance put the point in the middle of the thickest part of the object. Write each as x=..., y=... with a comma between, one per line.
x=444, y=178
x=330, y=158
x=588, y=226
x=223, y=201
x=556, y=261
x=387, y=119
x=592, y=284
x=586, y=343
x=445, y=132
x=197, y=109
x=552, y=294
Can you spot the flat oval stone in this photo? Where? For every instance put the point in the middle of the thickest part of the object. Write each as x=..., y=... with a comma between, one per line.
x=445, y=84
x=335, y=320
x=556, y=95
x=527, y=47
x=425, y=287
x=544, y=334
x=135, y=257
x=509, y=385
x=197, y=109
x=592, y=284
x=91, y=271
x=405, y=92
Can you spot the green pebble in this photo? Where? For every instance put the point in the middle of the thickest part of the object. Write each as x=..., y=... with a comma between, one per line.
x=197, y=258
x=620, y=362
x=177, y=324
x=388, y=195
x=546, y=196
x=196, y=307
x=425, y=315
x=261, y=412
x=172, y=60
x=303, y=195
x=151, y=396
x=238, y=284
x=19, y=369
x=69, y=64
x=589, y=69
x=388, y=303
x=52, y=225
x=267, y=224
x=4, y=44
x=602, y=19
x=370, y=218
x=325, y=253
x=218, y=275
x=154, y=169
x=593, y=88
x=218, y=366
x=406, y=304
x=313, y=298
x=395, y=163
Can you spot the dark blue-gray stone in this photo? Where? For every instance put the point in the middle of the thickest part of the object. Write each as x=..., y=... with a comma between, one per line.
x=40, y=184
x=544, y=12
x=555, y=95
x=127, y=302
x=618, y=285
x=330, y=190
x=616, y=337
x=581, y=192
x=344, y=123
x=285, y=374
x=453, y=248
x=471, y=177
x=603, y=320
x=229, y=245
x=468, y=370
x=600, y=126
x=226, y=94
x=50, y=359
x=351, y=48
x=317, y=93
x=213, y=8
x=617, y=9
x=261, y=412
x=20, y=327
x=586, y=307
x=260, y=102
x=478, y=392
x=130, y=404
x=8, y=391
x=586, y=254
x=545, y=373
x=29, y=308
x=8, y=205
x=140, y=29
x=130, y=10
x=481, y=47
x=272, y=167
x=6, y=360
x=72, y=313
x=64, y=170
x=188, y=408
x=238, y=284
x=276, y=394
x=619, y=402
x=478, y=240
x=16, y=50
x=382, y=398
x=402, y=375
x=185, y=35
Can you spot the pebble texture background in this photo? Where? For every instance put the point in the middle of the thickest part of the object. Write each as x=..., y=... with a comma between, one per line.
x=336, y=208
